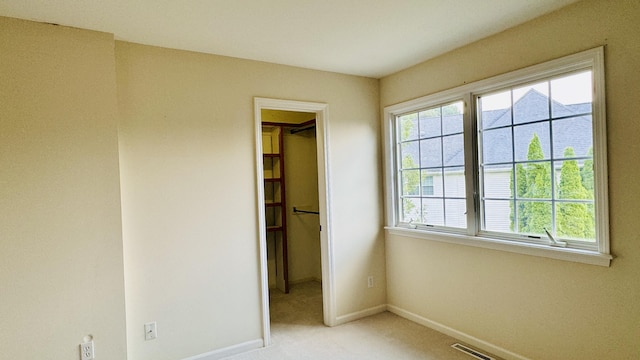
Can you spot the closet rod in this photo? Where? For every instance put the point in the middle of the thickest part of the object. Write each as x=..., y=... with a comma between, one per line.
x=295, y=131
x=305, y=212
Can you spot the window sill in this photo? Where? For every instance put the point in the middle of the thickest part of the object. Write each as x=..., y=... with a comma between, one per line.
x=566, y=254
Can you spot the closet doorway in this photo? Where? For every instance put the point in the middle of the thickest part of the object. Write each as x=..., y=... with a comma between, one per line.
x=293, y=200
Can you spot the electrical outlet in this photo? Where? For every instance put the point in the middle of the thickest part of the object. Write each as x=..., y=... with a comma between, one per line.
x=87, y=351
x=370, y=281
x=150, y=331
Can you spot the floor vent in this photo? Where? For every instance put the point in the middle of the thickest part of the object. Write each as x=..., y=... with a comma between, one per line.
x=469, y=351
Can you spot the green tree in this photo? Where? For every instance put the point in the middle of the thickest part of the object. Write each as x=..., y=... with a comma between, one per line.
x=410, y=178
x=574, y=219
x=521, y=184
x=535, y=215
x=407, y=124
x=586, y=173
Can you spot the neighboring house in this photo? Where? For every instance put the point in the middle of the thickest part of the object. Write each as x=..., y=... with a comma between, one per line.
x=442, y=197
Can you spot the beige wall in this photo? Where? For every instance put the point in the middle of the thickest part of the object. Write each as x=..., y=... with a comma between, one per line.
x=189, y=207
x=537, y=307
x=187, y=152
x=61, y=267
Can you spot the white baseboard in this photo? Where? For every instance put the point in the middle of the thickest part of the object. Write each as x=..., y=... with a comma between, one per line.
x=466, y=338
x=360, y=314
x=228, y=351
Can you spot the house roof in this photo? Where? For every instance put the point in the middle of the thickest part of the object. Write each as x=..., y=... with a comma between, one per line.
x=571, y=127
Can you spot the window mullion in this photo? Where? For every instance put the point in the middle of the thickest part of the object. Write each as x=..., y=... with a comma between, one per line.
x=399, y=173
x=444, y=203
x=419, y=140
x=471, y=164
x=553, y=167
x=516, y=214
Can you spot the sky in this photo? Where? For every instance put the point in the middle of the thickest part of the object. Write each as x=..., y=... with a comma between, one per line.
x=572, y=89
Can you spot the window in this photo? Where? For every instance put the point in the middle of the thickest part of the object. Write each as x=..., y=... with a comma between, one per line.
x=430, y=144
x=516, y=162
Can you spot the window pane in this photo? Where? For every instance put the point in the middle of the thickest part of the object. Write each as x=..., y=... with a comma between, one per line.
x=452, y=118
x=424, y=178
x=496, y=109
x=456, y=213
x=571, y=94
x=575, y=133
x=574, y=179
x=408, y=127
x=521, y=181
x=409, y=155
x=453, y=150
x=411, y=209
x=432, y=182
x=576, y=221
x=430, y=123
x=433, y=212
x=498, y=181
x=531, y=103
x=537, y=181
x=496, y=146
x=430, y=152
x=533, y=217
x=532, y=141
x=497, y=215
x=411, y=182
x=454, y=182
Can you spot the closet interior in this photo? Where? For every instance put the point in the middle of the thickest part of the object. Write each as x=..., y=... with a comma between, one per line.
x=290, y=198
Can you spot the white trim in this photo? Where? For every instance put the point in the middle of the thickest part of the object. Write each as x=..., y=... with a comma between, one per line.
x=228, y=351
x=567, y=254
x=389, y=154
x=593, y=59
x=343, y=319
x=469, y=339
x=324, y=196
x=262, y=234
x=600, y=169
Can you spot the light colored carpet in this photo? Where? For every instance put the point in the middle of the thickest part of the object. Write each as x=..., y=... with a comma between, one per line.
x=297, y=333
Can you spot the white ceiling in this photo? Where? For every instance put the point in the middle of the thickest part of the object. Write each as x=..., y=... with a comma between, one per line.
x=371, y=38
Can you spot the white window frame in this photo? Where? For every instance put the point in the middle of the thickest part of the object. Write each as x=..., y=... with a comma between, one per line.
x=473, y=236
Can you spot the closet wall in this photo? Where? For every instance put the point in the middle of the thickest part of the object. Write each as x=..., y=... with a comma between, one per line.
x=301, y=171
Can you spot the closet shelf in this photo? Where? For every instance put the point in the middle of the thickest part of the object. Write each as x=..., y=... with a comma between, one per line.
x=275, y=201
